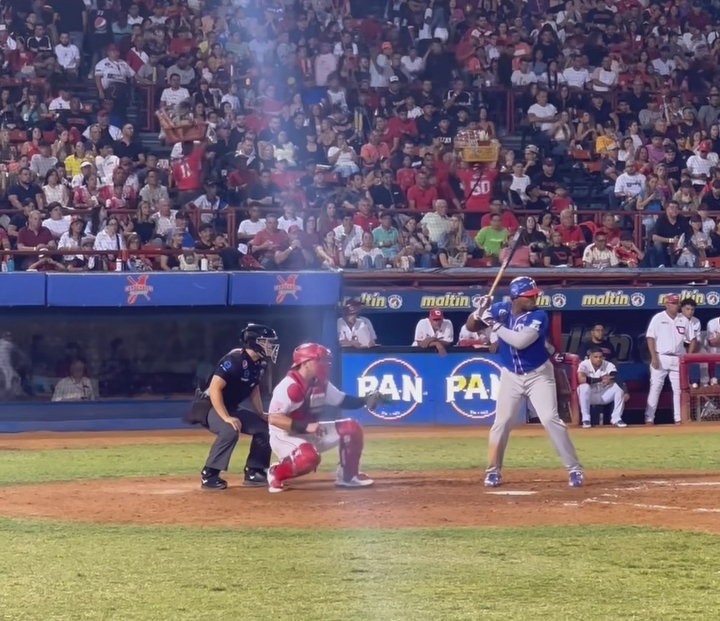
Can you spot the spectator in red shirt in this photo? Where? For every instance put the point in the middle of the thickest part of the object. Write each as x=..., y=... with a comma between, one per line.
x=571, y=233
x=611, y=230
x=421, y=196
x=402, y=126
x=507, y=217
x=373, y=151
x=269, y=241
x=390, y=138
x=364, y=217
x=34, y=236
x=187, y=172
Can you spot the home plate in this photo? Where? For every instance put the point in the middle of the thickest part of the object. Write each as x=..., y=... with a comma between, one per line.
x=512, y=492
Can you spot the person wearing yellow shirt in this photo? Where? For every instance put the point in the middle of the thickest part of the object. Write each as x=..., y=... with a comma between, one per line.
x=491, y=238
x=74, y=162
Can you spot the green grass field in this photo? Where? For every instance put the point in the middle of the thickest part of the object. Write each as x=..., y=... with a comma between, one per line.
x=67, y=571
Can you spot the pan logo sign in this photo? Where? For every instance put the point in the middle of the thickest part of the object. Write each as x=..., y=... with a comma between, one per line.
x=398, y=381
x=473, y=387
x=138, y=288
x=286, y=287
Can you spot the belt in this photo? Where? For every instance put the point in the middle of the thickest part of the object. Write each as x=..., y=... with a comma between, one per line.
x=527, y=372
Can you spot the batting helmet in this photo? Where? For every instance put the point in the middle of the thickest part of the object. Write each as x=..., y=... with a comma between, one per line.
x=308, y=352
x=523, y=287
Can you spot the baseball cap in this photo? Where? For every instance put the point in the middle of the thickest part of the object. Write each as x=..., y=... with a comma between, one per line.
x=435, y=314
x=705, y=146
x=293, y=228
x=612, y=146
x=548, y=161
x=85, y=165
x=387, y=45
x=475, y=33
x=394, y=79
x=672, y=298
x=533, y=148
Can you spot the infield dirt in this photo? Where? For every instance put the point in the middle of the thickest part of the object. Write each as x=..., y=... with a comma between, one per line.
x=674, y=499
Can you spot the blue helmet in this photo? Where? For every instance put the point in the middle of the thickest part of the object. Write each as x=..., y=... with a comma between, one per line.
x=523, y=287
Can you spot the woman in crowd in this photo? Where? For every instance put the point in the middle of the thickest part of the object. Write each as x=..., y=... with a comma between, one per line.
x=455, y=245
x=54, y=191
x=171, y=262
x=367, y=255
x=110, y=238
x=329, y=252
x=72, y=239
x=141, y=223
x=86, y=196
x=57, y=223
x=416, y=246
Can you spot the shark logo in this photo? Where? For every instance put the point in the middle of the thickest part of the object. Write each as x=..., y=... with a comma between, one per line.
x=285, y=287
x=138, y=288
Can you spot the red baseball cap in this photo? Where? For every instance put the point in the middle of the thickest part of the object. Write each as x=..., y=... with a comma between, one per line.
x=293, y=228
x=435, y=314
x=705, y=146
x=672, y=298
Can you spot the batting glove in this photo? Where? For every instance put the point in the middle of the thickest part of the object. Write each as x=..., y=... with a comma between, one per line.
x=483, y=303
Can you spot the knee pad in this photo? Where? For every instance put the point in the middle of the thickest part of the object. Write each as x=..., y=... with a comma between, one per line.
x=305, y=459
x=349, y=428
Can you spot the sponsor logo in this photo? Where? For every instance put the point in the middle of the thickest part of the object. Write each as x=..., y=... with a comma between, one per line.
x=446, y=300
x=637, y=299
x=711, y=298
x=473, y=388
x=559, y=300
x=286, y=287
x=372, y=299
x=395, y=302
x=543, y=301
x=138, y=288
x=398, y=381
x=606, y=299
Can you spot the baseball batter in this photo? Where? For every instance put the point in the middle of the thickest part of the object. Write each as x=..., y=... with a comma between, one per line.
x=526, y=373
x=596, y=378
x=296, y=435
x=666, y=336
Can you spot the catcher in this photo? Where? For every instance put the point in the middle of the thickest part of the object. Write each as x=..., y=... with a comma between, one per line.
x=298, y=437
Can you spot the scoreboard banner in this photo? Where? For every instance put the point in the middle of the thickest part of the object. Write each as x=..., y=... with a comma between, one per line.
x=425, y=388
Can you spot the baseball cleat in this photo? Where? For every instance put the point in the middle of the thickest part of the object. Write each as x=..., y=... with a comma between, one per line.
x=213, y=483
x=354, y=482
x=621, y=424
x=586, y=424
x=575, y=478
x=492, y=479
x=255, y=478
x=274, y=486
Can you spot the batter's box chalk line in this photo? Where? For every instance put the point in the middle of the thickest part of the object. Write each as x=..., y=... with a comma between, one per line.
x=636, y=505
x=513, y=492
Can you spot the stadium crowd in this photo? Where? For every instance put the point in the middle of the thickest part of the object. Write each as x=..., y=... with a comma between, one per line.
x=321, y=133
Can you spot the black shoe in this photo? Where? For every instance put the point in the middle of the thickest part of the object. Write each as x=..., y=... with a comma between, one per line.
x=255, y=478
x=213, y=482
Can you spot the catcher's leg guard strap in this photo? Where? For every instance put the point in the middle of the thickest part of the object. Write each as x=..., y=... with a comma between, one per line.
x=303, y=460
x=351, y=446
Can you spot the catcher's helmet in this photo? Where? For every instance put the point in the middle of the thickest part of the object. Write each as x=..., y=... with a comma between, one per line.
x=262, y=340
x=523, y=287
x=308, y=352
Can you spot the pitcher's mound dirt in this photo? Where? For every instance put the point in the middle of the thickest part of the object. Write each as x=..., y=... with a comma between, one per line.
x=449, y=498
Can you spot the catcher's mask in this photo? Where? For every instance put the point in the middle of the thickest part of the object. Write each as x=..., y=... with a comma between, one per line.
x=262, y=340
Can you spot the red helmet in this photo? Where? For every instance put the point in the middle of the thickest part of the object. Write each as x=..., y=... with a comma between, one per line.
x=308, y=352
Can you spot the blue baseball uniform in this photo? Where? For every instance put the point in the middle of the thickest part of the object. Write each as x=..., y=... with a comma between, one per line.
x=527, y=373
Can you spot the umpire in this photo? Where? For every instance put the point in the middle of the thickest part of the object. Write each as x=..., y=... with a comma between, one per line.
x=236, y=378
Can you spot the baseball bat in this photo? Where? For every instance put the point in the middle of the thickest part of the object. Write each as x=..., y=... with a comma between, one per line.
x=511, y=251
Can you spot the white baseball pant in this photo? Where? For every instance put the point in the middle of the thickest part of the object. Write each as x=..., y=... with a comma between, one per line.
x=611, y=394
x=539, y=388
x=283, y=443
x=669, y=367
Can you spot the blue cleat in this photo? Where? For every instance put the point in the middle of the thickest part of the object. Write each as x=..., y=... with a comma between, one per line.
x=575, y=478
x=492, y=479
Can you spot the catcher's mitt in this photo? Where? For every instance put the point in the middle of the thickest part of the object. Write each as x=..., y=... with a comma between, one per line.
x=375, y=399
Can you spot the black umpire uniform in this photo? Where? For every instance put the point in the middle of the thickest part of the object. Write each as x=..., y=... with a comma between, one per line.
x=241, y=371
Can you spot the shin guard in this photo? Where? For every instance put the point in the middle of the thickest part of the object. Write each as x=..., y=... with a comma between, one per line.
x=351, y=446
x=303, y=460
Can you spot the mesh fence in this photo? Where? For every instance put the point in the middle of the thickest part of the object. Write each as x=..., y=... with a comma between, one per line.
x=705, y=403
